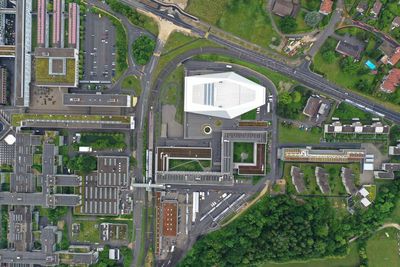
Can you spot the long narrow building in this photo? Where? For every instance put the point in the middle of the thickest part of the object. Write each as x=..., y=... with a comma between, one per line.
x=41, y=23
x=23, y=53
x=73, y=25
x=58, y=23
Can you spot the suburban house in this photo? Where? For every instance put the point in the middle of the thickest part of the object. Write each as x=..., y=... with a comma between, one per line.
x=362, y=7
x=391, y=53
x=284, y=8
x=376, y=9
x=391, y=81
x=350, y=46
x=326, y=7
x=395, y=22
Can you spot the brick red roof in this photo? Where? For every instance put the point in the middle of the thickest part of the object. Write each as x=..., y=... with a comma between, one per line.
x=326, y=6
x=392, y=81
x=395, y=57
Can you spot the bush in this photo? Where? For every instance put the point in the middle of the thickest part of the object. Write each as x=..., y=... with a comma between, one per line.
x=312, y=19
x=288, y=24
x=83, y=164
x=143, y=49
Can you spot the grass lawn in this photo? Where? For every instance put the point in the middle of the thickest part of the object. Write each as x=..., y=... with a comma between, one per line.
x=133, y=83
x=34, y=33
x=16, y=119
x=250, y=115
x=89, y=232
x=275, y=77
x=333, y=170
x=243, y=152
x=312, y=5
x=290, y=134
x=207, y=10
x=395, y=216
x=255, y=25
x=350, y=260
x=188, y=165
x=346, y=112
x=172, y=92
x=301, y=24
x=43, y=77
x=178, y=43
x=383, y=250
x=334, y=73
x=103, y=141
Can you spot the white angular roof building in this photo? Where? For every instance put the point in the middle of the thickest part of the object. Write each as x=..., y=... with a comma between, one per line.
x=225, y=95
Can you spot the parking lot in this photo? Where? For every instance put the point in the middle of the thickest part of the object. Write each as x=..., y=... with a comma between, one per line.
x=99, y=200
x=99, y=49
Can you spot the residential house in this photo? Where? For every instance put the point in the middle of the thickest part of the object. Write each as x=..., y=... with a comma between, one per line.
x=326, y=7
x=391, y=81
x=284, y=8
x=391, y=53
x=362, y=7
x=350, y=46
x=376, y=9
x=395, y=22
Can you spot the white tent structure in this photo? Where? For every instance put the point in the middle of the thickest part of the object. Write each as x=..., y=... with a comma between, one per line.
x=225, y=95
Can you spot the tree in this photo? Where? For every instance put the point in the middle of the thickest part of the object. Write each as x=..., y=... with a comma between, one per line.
x=312, y=18
x=83, y=164
x=143, y=49
x=362, y=85
x=285, y=98
x=288, y=24
x=329, y=56
x=347, y=65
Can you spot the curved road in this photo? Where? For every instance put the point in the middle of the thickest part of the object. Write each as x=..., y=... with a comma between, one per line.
x=301, y=74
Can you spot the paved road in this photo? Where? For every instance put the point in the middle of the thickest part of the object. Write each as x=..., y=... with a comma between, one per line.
x=301, y=74
x=329, y=29
x=141, y=199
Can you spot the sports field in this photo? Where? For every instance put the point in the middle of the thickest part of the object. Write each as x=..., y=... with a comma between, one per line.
x=383, y=249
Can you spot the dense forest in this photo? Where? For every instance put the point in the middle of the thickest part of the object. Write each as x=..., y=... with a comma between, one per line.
x=286, y=227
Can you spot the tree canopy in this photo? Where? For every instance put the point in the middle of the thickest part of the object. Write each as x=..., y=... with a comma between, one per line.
x=288, y=24
x=312, y=18
x=83, y=164
x=143, y=48
x=285, y=227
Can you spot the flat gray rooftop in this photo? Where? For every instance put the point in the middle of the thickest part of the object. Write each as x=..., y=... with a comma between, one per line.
x=201, y=178
x=100, y=100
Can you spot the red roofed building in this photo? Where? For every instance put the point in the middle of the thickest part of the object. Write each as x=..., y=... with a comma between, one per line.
x=391, y=81
x=395, y=57
x=326, y=7
x=169, y=212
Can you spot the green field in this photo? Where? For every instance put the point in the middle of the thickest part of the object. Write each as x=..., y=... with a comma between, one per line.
x=246, y=19
x=346, y=112
x=89, y=232
x=43, y=77
x=351, y=260
x=301, y=24
x=178, y=43
x=172, y=92
x=333, y=170
x=188, y=165
x=275, y=77
x=102, y=141
x=291, y=134
x=250, y=115
x=243, y=152
x=383, y=250
x=132, y=83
